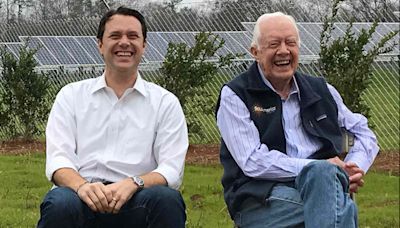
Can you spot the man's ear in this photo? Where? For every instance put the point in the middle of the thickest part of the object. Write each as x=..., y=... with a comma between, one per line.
x=254, y=51
x=99, y=43
x=99, y=46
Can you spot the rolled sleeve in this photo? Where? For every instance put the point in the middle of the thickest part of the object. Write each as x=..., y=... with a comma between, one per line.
x=171, y=143
x=365, y=147
x=57, y=163
x=60, y=139
x=173, y=178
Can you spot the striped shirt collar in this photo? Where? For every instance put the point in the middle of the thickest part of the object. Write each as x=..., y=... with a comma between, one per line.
x=294, y=89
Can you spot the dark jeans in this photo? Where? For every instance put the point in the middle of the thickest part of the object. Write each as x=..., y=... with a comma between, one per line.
x=158, y=206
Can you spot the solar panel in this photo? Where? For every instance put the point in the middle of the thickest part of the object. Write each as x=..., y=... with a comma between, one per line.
x=231, y=44
x=157, y=42
x=188, y=37
x=309, y=45
x=224, y=50
x=171, y=37
x=90, y=45
x=338, y=30
x=76, y=50
x=394, y=27
x=311, y=36
x=54, y=45
x=14, y=48
x=244, y=41
x=64, y=50
x=249, y=26
x=181, y=37
x=151, y=54
x=43, y=55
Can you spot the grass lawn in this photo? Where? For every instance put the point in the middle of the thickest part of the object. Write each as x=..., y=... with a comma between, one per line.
x=23, y=186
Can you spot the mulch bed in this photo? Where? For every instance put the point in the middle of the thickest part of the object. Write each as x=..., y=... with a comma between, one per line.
x=386, y=161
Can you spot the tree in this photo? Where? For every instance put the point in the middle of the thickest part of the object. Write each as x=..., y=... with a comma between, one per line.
x=100, y=7
x=23, y=96
x=372, y=10
x=87, y=8
x=55, y=9
x=346, y=63
x=75, y=8
x=187, y=70
x=173, y=4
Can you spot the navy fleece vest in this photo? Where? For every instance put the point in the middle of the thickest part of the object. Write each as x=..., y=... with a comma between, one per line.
x=318, y=111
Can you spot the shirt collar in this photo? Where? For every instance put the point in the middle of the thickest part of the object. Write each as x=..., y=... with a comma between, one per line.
x=100, y=84
x=294, y=88
x=138, y=86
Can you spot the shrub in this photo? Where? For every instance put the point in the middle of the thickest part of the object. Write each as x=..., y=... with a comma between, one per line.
x=186, y=72
x=346, y=63
x=23, y=96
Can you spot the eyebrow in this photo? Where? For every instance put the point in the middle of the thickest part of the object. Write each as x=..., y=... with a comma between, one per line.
x=128, y=32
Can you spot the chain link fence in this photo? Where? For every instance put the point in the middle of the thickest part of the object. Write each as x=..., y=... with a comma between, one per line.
x=234, y=20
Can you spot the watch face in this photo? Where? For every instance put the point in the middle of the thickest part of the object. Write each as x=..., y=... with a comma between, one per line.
x=139, y=181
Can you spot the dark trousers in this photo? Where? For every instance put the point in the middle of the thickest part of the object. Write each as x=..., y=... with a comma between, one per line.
x=158, y=206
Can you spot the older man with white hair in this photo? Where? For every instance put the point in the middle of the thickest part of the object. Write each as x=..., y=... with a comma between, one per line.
x=281, y=139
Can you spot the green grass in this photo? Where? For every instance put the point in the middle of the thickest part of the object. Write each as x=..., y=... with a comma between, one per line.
x=23, y=186
x=204, y=199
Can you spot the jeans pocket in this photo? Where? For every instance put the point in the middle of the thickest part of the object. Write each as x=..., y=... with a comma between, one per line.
x=286, y=194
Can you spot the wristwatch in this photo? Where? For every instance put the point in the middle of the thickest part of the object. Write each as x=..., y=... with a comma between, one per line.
x=138, y=181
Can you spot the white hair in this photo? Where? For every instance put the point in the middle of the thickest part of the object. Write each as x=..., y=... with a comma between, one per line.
x=266, y=16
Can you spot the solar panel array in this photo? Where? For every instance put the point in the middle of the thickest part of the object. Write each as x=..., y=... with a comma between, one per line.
x=82, y=50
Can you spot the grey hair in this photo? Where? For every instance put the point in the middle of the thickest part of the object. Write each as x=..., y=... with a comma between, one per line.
x=266, y=16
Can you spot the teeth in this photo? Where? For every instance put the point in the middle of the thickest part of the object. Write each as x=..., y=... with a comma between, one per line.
x=282, y=62
x=124, y=53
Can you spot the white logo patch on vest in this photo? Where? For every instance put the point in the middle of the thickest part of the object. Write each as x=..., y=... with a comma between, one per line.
x=259, y=109
x=321, y=117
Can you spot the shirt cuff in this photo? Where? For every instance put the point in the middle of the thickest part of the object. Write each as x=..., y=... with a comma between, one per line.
x=360, y=159
x=301, y=163
x=174, y=179
x=58, y=163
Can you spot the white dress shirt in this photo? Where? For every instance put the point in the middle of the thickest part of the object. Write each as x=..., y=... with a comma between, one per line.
x=256, y=160
x=105, y=138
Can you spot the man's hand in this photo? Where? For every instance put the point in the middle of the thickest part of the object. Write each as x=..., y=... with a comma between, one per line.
x=353, y=171
x=122, y=191
x=96, y=196
x=336, y=161
x=355, y=176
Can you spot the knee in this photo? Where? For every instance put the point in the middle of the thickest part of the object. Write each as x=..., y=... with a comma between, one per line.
x=161, y=195
x=322, y=170
x=59, y=201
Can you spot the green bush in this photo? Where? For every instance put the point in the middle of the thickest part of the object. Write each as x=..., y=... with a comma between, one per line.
x=186, y=72
x=23, y=96
x=346, y=64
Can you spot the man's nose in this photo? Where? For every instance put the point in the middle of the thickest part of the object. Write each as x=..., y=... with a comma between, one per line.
x=283, y=48
x=124, y=41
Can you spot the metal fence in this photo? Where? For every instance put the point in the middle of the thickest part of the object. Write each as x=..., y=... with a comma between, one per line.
x=382, y=96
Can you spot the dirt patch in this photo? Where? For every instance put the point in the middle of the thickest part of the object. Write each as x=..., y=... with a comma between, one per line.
x=21, y=147
x=386, y=161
